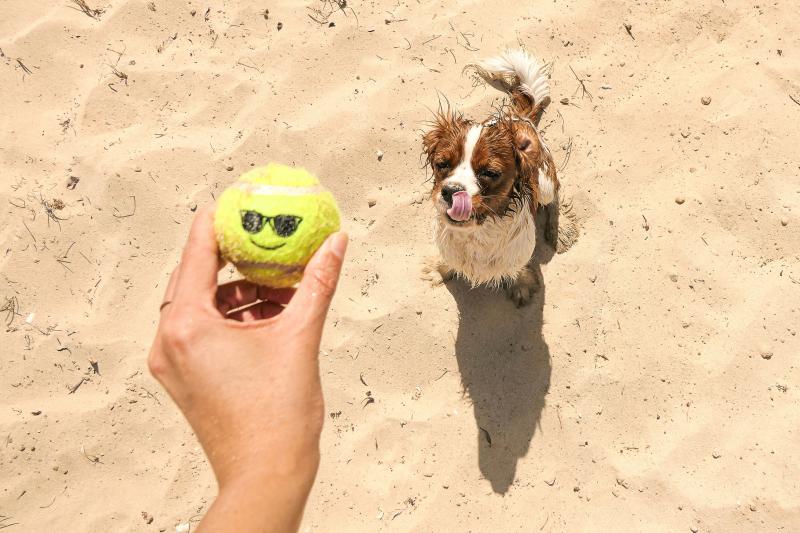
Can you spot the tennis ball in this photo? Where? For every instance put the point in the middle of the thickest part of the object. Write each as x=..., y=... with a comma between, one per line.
x=271, y=221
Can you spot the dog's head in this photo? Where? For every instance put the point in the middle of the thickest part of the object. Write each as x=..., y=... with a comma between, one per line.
x=484, y=170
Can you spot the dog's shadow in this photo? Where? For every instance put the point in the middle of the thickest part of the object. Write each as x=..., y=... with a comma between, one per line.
x=505, y=369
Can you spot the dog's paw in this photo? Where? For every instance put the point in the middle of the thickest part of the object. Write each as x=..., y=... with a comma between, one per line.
x=435, y=272
x=522, y=290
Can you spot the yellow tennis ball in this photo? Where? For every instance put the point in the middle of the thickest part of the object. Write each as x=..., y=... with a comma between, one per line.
x=272, y=220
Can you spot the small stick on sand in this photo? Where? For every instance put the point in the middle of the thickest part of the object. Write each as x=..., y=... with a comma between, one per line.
x=584, y=90
x=562, y=120
x=628, y=28
x=23, y=67
x=91, y=458
x=153, y=396
x=29, y=232
x=567, y=156
x=368, y=400
x=11, y=308
x=49, y=210
x=545, y=522
x=119, y=74
x=116, y=211
x=68, y=249
x=63, y=262
x=464, y=36
x=75, y=387
x=84, y=8
x=53, y=500
x=245, y=65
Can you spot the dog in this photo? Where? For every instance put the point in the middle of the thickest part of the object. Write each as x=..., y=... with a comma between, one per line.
x=489, y=180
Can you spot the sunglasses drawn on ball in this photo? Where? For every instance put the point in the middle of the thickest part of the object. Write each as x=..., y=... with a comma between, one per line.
x=282, y=225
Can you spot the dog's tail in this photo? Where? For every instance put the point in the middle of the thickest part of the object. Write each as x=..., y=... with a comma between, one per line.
x=520, y=75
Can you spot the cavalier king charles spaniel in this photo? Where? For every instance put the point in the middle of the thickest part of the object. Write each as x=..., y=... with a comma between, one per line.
x=490, y=178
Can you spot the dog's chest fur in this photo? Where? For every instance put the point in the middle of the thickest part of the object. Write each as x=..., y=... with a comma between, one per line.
x=491, y=253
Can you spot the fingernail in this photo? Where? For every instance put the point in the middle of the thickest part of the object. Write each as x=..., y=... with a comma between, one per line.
x=338, y=244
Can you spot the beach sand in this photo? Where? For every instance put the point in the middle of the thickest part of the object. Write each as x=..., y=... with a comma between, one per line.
x=652, y=386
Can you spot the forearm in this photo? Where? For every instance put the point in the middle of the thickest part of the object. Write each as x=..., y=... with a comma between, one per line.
x=259, y=505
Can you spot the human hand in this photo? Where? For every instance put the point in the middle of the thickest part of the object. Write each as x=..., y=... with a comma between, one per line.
x=247, y=380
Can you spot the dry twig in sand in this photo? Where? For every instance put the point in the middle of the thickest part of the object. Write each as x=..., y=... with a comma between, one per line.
x=322, y=14
x=4, y=522
x=80, y=5
x=11, y=308
x=629, y=28
x=119, y=74
x=23, y=67
x=117, y=214
x=75, y=387
x=49, y=210
x=465, y=36
x=581, y=87
x=568, y=150
x=92, y=458
x=30, y=233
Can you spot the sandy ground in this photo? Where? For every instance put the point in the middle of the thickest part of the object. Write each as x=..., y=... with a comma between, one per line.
x=653, y=386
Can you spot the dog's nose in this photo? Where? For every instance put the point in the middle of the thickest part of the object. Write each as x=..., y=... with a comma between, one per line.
x=449, y=190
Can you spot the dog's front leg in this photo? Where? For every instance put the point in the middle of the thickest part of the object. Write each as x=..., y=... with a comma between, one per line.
x=522, y=290
x=436, y=272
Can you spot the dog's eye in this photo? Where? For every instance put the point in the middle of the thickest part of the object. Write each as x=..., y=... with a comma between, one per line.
x=442, y=165
x=491, y=174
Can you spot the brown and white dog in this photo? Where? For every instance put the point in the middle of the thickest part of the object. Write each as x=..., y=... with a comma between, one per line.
x=490, y=178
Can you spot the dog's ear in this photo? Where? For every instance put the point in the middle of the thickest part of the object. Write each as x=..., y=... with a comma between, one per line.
x=535, y=164
x=528, y=153
x=446, y=128
x=430, y=141
x=526, y=142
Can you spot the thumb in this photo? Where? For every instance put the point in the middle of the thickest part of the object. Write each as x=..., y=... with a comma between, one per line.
x=310, y=303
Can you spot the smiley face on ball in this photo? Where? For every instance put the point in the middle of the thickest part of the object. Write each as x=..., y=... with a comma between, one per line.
x=281, y=226
x=272, y=226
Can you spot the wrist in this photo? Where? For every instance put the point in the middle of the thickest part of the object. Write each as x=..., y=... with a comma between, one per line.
x=299, y=472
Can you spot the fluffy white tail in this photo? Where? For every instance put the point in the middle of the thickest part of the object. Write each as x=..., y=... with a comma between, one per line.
x=516, y=68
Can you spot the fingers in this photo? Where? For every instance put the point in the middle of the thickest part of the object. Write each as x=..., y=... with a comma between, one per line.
x=242, y=293
x=258, y=311
x=313, y=297
x=236, y=294
x=200, y=260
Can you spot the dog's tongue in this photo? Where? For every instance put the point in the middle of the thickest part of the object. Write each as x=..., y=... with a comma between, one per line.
x=462, y=206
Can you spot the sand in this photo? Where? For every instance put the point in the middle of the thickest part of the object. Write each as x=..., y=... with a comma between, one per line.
x=652, y=386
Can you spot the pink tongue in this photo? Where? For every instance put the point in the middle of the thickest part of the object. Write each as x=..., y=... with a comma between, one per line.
x=462, y=206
